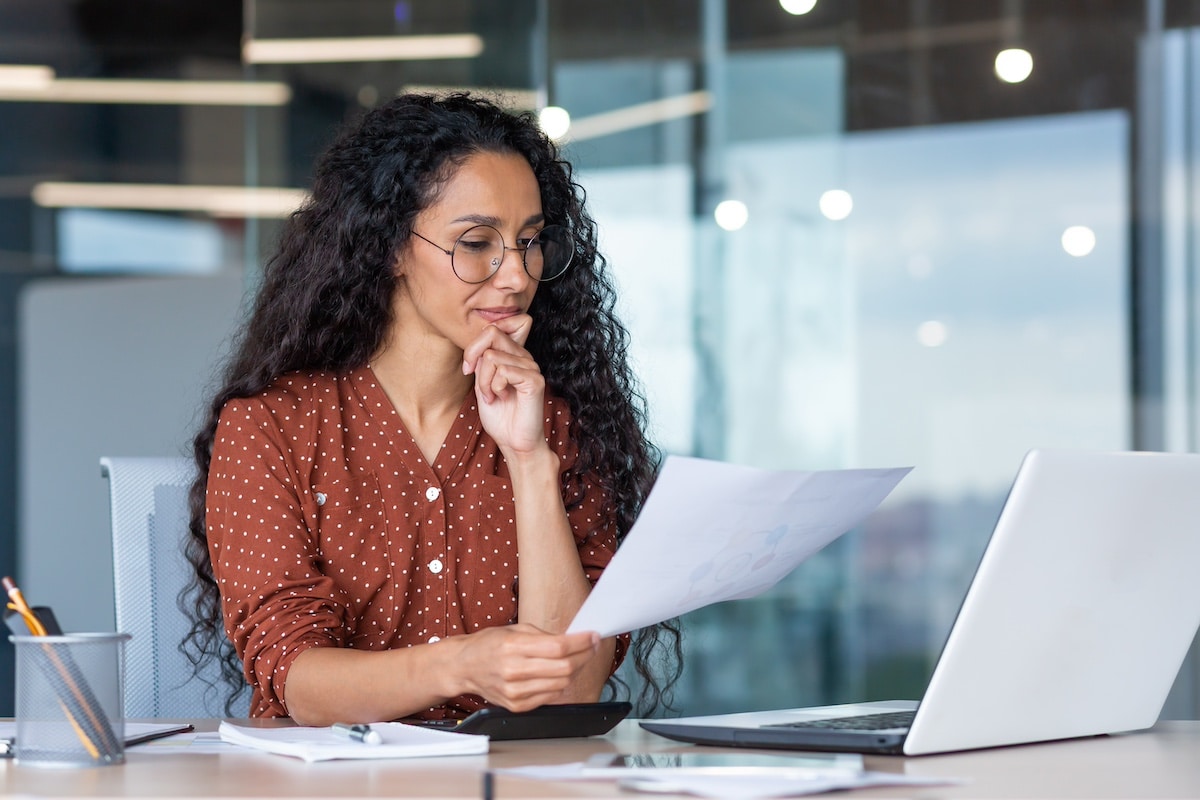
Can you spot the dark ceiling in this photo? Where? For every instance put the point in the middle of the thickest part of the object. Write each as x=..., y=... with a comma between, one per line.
x=908, y=62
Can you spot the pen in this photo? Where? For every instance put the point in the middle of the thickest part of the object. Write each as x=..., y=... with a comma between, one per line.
x=359, y=733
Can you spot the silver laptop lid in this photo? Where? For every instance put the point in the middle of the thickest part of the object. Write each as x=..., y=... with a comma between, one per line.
x=1082, y=609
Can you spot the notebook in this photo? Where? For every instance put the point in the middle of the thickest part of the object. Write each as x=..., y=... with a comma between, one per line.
x=1076, y=621
x=396, y=740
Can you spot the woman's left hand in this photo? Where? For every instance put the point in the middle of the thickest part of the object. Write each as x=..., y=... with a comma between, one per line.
x=509, y=386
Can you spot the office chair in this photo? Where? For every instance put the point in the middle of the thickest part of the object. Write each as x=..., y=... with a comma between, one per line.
x=149, y=527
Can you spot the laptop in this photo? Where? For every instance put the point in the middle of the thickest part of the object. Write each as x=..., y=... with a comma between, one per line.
x=1076, y=622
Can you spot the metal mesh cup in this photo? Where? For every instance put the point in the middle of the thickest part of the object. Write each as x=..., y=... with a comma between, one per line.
x=69, y=699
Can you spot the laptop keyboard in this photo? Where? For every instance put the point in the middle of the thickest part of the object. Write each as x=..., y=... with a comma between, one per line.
x=862, y=722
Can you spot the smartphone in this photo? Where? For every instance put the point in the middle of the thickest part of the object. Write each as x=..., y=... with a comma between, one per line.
x=544, y=722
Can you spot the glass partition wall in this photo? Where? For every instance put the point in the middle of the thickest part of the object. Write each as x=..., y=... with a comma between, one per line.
x=843, y=237
x=846, y=234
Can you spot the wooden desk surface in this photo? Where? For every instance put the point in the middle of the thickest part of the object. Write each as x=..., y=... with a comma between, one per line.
x=1161, y=763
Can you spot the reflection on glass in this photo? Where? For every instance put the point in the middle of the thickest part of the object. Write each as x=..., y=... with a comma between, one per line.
x=731, y=215
x=798, y=7
x=1014, y=65
x=836, y=204
x=932, y=333
x=555, y=121
x=1079, y=240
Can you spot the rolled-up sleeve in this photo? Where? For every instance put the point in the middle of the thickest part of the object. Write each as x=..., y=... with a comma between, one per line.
x=276, y=602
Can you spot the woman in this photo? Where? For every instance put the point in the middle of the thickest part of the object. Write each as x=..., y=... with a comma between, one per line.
x=431, y=381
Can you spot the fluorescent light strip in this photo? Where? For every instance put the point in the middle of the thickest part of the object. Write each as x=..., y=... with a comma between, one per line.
x=216, y=201
x=25, y=76
x=638, y=116
x=152, y=92
x=361, y=48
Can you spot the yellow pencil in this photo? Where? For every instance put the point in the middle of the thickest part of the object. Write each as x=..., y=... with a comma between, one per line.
x=16, y=602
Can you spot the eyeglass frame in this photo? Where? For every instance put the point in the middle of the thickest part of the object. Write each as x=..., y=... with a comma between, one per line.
x=522, y=250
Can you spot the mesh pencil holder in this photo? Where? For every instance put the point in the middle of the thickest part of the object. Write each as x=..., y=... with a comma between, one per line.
x=69, y=699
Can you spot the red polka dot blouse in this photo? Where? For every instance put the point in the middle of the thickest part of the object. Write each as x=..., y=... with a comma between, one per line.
x=328, y=528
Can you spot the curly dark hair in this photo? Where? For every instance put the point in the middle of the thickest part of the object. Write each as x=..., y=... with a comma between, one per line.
x=325, y=304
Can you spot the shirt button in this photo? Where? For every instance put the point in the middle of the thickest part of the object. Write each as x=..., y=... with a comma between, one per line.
x=433, y=639
x=320, y=498
x=432, y=493
x=435, y=566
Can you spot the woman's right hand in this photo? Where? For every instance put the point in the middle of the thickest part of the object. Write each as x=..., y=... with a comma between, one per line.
x=521, y=667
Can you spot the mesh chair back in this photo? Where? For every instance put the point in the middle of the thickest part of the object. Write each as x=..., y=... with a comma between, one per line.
x=149, y=528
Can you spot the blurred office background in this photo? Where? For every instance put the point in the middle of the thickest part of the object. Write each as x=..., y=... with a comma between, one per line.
x=846, y=233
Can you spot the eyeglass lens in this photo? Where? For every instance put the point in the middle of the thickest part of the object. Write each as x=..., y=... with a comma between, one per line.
x=479, y=252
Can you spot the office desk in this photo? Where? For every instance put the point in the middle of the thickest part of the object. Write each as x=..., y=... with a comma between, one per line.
x=1163, y=762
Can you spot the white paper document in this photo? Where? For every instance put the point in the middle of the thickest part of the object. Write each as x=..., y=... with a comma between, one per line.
x=729, y=782
x=759, y=787
x=712, y=531
x=323, y=744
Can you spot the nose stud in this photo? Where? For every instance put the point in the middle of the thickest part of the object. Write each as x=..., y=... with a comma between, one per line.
x=495, y=262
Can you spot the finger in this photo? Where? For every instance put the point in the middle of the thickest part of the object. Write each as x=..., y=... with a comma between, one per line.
x=516, y=327
x=489, y=383
x=522, y=640
x=535, y=683
x=528, y=702
x=496, y=371
x=485, y=370
x=505, y=377
x=587, y=642
x=499, y=359
x=529, y=672
x=549, y=647
x=486, y=340
x=531, y=667
x=544, y=681
x=491, y=338
x=572, y=645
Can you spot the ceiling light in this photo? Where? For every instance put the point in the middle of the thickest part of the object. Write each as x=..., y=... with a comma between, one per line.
x=554, y=121
x=836, y=204
x=1013, y=65
x=25, y=76
x=361, y=48
x=1079, y=240
x=798, y=7
x=731, y=215
x=216, y=201
x=153, y=92
x=640, y=115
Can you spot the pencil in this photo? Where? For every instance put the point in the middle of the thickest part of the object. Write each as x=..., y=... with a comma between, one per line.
x=71, y=678
x=16, y=601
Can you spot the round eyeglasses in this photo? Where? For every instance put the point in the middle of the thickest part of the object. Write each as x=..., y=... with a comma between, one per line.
x=478, y=253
